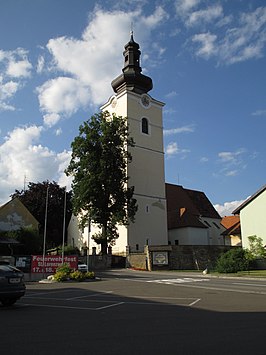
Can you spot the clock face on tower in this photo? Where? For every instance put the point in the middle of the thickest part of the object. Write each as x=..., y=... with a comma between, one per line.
x=145, y=100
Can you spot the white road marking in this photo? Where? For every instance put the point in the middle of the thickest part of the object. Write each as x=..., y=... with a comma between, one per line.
x=91, y=295
x=177, y=281
x=111, y=305
x=193, y=303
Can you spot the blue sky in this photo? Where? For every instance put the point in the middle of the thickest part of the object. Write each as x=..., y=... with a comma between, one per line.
x=207, y=62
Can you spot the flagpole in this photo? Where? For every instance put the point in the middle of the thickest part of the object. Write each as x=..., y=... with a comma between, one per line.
x=45, y=228
x=64, y=228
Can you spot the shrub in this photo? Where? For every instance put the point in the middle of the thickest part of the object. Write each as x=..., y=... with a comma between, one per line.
x=233, y=261
x=60, y=276
x=64, y=272
x=90, y=275
x=77, y=275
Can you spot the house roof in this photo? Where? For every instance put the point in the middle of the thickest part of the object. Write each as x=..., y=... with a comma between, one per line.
x=250, y=199
x=15, y=205
x=184, y=207
x=232, y=225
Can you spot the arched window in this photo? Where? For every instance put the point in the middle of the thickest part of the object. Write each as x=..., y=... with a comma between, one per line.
x=145, y=125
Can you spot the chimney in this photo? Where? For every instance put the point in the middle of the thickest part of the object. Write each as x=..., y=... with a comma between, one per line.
x=182, y=211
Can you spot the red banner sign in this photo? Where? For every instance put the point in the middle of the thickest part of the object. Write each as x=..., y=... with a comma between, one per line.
x=51, y=263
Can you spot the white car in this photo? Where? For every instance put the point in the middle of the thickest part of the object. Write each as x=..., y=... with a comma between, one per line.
x=82, y=267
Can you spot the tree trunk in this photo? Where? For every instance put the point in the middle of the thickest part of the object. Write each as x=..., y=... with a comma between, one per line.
x=104, y=242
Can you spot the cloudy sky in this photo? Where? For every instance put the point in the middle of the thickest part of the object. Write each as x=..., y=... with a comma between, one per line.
x=206, y=59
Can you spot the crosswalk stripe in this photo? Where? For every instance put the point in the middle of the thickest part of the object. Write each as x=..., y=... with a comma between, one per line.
x=177, y=281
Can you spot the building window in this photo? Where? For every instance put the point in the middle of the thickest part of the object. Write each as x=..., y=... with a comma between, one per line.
x=216, y=225
x=208, y=224
x=137, y=247
x=144, y=125
x=169, y=242
x=176, y=242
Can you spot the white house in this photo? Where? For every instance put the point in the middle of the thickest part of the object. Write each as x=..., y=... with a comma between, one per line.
x=192, y=219
x=253, y=216
x=14, y=215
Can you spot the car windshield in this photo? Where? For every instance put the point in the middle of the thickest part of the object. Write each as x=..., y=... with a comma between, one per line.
x=8, y=268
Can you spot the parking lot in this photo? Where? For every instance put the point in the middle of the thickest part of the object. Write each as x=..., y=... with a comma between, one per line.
x=86, y=299
x=135, y=314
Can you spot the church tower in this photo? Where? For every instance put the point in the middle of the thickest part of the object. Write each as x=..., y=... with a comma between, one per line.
x=146, y=171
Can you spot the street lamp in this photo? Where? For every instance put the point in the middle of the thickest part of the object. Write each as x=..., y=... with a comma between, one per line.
x=64, y=228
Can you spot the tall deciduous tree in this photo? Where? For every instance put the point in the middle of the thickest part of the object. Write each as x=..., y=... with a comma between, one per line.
x=34, y=198
x=99, y=169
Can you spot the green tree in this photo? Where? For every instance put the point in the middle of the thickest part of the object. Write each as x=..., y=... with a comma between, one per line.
x=34, y=198
x=256, y=248
x=234, y=260
x=99, y=169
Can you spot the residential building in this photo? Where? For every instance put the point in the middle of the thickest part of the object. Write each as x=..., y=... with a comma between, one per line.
x=14, y=215
x=192, y=219
x=253, y=216
x=232, y=234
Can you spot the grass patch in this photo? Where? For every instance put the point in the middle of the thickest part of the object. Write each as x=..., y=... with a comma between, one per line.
x=250, y=273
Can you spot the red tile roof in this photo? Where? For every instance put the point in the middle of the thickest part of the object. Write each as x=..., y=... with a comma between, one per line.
x=184, y=207
x=232, y=225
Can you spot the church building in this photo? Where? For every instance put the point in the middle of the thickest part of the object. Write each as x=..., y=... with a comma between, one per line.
x=131, y=99
x=167, y=214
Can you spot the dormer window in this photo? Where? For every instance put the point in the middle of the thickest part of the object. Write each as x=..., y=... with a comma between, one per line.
x=144, y=125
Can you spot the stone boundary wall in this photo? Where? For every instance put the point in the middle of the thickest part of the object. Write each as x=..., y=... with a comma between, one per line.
x=137, y=261
x=180, y=257
x=197, y=257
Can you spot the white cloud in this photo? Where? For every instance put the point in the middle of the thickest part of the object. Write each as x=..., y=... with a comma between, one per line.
x=184, y=129
x=232, y=162
x=58, y=131
x=7, y=91
x=185, y=6
x=16, y=63
x=240, y=43
x=14, y=69
x=207, y=44
x=204, y=160
x=231, y=173
x=18, y=69
x=173, y=149
x=227, y=208
x=85, y=61
x=204, y=16
x=171, y=94
x=50, y=119
x=259, y=113
x=61, y=96
x=231, y=157
x=22, y=154
x=40, y=64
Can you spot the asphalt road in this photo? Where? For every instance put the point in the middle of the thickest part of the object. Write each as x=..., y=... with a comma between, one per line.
x=130, y=312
